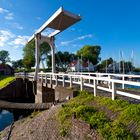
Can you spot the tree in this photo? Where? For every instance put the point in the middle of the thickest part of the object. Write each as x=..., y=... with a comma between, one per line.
x=105, y=63
x=62, y=59
x=90, y=53
x=17, y=64
x=126, y=66
x=4, y=56
x=29, y=53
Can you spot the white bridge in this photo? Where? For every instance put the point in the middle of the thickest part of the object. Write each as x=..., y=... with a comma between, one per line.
x=107, y=82
x=113, y=83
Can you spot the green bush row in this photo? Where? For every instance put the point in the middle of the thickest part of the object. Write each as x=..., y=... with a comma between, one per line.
x=108, y=129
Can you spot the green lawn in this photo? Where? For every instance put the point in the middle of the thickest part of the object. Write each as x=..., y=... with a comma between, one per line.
x=5, y=80
x=93, y=110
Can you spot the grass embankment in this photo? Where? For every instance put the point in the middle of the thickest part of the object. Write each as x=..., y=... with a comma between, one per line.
x=96, y=112
x=5, y=80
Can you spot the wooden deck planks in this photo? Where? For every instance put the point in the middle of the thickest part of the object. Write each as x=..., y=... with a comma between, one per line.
x=12, y=105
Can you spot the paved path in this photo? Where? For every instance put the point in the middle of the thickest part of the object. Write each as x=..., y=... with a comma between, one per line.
x=28, y=106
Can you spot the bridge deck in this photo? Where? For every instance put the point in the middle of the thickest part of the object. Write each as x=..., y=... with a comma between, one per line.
x=28, y=106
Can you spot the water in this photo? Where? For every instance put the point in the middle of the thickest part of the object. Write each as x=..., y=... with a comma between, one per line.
x=6, y=118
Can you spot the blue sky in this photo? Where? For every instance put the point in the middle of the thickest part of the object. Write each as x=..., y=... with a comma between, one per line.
x=112, y=24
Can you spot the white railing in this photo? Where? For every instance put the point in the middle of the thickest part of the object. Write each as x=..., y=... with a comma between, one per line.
x=101, y=82
x=122, y=77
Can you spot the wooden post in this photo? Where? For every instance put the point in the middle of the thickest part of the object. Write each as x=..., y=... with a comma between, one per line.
x=97, y=80
x=41, y=78
x=113, y=91
x=81, y=85
x=45, y=79
x=95, y=87
x=50, y=80
x=109, y=83
x=70, y=81
x=89, y=79
x=123, y=82
x=63, y=81
x=37, y=54
x=56, y=82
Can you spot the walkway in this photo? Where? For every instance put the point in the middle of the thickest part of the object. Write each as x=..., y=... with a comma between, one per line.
x=28, y=106
x=105, y=82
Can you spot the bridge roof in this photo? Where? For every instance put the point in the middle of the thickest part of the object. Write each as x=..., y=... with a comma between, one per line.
x=59, y=21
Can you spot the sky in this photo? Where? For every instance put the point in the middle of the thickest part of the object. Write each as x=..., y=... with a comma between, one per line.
x=112, y=24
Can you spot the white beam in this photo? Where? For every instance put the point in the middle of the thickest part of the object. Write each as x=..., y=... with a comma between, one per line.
x=55, y=19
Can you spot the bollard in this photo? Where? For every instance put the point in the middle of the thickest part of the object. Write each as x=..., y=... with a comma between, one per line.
x=81, y=85
x=95, y=87
x=70, y=81
x=113, y=90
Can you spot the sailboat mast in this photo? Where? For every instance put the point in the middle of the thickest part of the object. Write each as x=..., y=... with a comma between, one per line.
x=123, y=62
x=106, y=65
x=132, y=60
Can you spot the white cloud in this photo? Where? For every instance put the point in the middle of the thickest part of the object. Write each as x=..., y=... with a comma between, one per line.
x=9, y=16
x=8, y=39
x=65, y=43
x=84, y=36
x=5, y=36
x=19, y=41
x=17, y=26
x=3, y=10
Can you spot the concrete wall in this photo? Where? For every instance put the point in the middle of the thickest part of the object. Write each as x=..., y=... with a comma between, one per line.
x=23, y=90
x=20, y=90
x=44, y=94
x=49, y=95
x=61, y=93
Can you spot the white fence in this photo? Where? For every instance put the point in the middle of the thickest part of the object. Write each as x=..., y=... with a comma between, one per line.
x=101, y=81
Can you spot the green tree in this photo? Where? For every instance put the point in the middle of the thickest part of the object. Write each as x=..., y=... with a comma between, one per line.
x=29, y=53
x=126, y=66
x=105, y=63
x=17, y=64
x=90, y=53
x=4, y=56
x=62, y=59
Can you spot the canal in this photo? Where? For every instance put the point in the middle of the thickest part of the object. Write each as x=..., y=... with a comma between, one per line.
x=6, y=118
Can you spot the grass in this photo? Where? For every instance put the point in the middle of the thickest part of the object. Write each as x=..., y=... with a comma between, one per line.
x=5, y=80
x=108, y=129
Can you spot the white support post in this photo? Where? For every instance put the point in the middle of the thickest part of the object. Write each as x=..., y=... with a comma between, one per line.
x=81, y=83
x=56, y=81
x=97, y=80
x=113, y=91
x=95, y=87
x=123, y=82
x=70, y=81
x=89, y=79
x=45, y=79
x=37, y=56
x=63, y=81
x=109, y=83
x=50, y=80
x=41, y=78
x=53, y=53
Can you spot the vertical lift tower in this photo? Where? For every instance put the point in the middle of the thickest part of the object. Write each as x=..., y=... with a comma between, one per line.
x=59, y=21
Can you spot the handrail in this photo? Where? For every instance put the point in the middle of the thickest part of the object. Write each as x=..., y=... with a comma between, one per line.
x=90, y=81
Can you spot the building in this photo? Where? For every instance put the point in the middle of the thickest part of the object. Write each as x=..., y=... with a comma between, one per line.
x=6, y=69
x=78, y=65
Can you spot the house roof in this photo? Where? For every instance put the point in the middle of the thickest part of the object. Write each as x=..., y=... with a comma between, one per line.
x=5, y=66
x=73, y=63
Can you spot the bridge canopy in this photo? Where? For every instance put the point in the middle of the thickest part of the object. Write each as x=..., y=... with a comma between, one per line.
x=59, y=21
